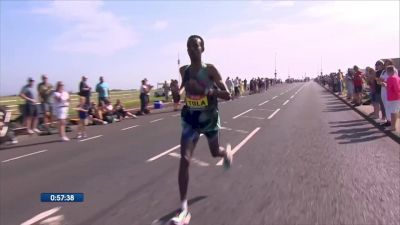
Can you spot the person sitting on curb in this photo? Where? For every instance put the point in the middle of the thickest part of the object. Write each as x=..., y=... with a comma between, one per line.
x=121, y=112
x=94, y=115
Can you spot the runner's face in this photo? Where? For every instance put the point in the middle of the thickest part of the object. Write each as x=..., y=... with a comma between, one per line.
x=194, y=48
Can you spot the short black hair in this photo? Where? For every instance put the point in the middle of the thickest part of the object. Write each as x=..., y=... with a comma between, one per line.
x=196, y=36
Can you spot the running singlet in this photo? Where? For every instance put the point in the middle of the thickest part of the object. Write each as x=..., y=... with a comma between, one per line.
x=200, y=111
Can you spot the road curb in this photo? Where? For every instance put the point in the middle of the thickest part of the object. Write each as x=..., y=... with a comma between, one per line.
x=389, y=133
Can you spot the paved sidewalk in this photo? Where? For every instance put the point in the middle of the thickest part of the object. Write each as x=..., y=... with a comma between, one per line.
x=365, y=111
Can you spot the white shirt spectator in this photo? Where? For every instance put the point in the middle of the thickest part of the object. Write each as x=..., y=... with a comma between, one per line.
x=61, y=99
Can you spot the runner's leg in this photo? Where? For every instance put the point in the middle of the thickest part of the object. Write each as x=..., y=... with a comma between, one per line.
x=189, y=140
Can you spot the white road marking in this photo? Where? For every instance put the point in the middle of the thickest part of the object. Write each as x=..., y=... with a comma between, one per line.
x=241, y=114
x=41, y=216
x=164, y=153
x=286, y=102
x=266, y=109
x=291, y=96
x=274, y=97
x=23, y=156
x=198, y=162
x=130, y=127
x=254, y=117
x=263, y=103
x=230, y=129
x=176, y=115
x=273, y=114
x=282, y=93
x=91, y=138
x=55, y=220
x=237, y=147
x=156, y=120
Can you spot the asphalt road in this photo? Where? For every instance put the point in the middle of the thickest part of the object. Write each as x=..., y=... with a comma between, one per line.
x=313, y=161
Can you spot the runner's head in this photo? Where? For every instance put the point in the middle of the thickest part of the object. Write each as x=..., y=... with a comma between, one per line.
x=195, y=47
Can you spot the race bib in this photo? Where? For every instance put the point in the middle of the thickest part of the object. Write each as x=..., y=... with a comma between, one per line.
x=197, y=101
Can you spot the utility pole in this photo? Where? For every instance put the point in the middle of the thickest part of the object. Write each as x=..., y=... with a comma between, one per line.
x=275, y=67
x=321, y=65
x=179, y=66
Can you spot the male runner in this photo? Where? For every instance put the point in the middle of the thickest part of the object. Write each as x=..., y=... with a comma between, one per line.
x=203, y=85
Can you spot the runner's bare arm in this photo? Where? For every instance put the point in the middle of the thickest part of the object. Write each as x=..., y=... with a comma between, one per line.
x=216, y=76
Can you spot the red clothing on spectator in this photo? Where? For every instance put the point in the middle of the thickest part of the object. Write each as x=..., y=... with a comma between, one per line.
x=393, y=88
x=358, y=79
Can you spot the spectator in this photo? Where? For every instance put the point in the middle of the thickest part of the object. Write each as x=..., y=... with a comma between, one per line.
x=85, y=90
x=341, y=81
x=108, y=113
x=393, y=95
x=103, y=91
x=229, y=84
x=236, y=86
x=45, y=90
x=358, y=86
x=94, y=115
x=166, y=91
x=175, y=94
x=6, y=128
x=349, y=84
x=82, y=110
x=121, y=112
x=383, y=79
x=30, y=111
x=61, y=105
x=379, y=67
x=144, y=97
x=245, y=84
x=371, y=75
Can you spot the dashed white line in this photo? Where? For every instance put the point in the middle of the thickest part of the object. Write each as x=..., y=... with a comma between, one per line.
x=237, y=147
x=262, y=103
x=274, y=97
x=178, y=114
x=130, y=127
x=282, y=93
x=254, y=117
x=41, y=216
x=273, y=114
x=266, y=109
x=291, y=96
x=164, y=153
x=242, y=113
x=153, y=121
x=23, y=156
x=286, y=102
x=87, y=139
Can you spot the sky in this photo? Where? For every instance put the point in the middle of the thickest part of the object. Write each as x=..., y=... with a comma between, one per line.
x=126, y=41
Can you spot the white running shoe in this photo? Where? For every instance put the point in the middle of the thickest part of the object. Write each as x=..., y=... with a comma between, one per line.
x=30, y=131
x=228, y=160
x=182, y=218
x=64, y=139
x=37, y=131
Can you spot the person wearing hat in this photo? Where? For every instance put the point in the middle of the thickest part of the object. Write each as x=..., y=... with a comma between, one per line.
x=30, y=111
x=45, y=90
x=85, y=90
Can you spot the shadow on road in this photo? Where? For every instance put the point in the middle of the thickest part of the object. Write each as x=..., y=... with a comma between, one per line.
x=336, y=108
x=355, y=131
